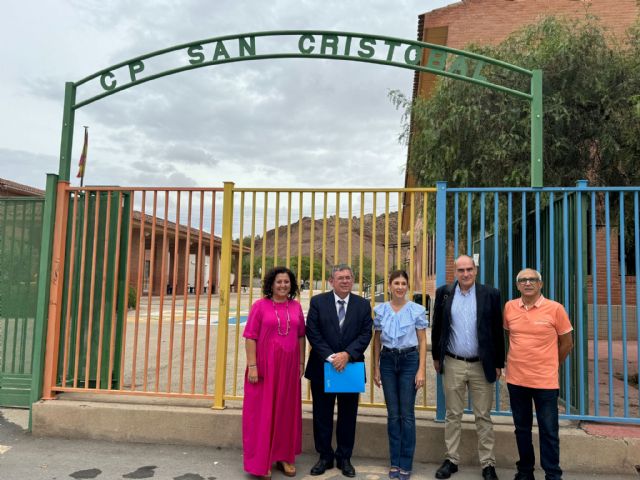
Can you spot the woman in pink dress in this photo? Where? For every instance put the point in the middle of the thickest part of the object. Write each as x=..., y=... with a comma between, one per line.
x=275, y=348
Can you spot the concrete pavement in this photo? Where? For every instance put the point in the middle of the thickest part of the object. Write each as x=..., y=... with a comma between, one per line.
x=24, y=456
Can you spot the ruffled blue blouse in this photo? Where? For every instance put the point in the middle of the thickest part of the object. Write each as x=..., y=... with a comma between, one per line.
x=398, y=329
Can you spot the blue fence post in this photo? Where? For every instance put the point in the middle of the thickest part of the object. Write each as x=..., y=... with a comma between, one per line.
x=441, y=273
x=582, y=385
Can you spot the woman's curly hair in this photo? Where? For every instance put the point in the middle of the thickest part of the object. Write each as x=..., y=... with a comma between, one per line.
x=270, y=278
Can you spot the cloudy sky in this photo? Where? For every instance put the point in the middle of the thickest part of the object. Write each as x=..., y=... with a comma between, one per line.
x=289, y=122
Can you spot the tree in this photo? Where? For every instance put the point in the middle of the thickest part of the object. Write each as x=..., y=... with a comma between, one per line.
x=366, y=271
x=473, y=136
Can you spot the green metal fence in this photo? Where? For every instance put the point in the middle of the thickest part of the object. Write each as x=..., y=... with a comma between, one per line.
x=20, y=239
x=94, y=292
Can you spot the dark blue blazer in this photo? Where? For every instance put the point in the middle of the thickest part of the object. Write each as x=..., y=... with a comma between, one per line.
x=325, y=337
x=490, y=329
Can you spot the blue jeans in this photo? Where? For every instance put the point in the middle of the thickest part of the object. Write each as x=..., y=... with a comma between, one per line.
x=546, y=404
x=398, y=374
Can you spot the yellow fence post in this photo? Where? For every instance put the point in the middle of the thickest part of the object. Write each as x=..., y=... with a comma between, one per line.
x=225, y=287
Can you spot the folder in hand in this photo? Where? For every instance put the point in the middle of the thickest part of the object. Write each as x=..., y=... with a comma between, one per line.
x=349, y=380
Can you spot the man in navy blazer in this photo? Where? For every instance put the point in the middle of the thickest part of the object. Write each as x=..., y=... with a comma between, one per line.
x=467, y=341
x=339, y=331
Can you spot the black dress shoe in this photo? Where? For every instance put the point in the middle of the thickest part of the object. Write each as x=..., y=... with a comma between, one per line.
x=489, y=473
x=320, y=466
x=524, y=476
x=344, y=464
x=447, y=468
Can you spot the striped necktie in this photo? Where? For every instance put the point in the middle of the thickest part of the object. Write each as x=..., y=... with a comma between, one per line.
x=341, y=313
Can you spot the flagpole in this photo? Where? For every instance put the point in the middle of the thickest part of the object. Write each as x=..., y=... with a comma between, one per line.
x=83, y=156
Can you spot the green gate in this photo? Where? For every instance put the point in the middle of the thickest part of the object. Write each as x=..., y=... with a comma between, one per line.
x=20, y=238
x=92, y=271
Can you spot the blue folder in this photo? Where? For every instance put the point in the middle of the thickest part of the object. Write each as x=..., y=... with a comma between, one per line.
x=350, y=380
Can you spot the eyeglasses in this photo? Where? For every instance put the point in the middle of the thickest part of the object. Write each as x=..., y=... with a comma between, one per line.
x=522, y=281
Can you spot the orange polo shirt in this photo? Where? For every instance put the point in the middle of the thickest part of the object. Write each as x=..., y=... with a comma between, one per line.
x=533, y=342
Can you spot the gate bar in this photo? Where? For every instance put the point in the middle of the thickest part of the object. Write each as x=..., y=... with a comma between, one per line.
x=223, y=313
x=55, y=291
x=44, y=278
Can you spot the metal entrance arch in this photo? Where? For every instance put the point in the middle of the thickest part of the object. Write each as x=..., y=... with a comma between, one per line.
x=321, y=44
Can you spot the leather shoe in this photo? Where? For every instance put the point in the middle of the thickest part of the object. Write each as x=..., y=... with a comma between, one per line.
x=447, y=468
x=489, y=473
x=524, y=476
x=344, y=464
x=320, y=466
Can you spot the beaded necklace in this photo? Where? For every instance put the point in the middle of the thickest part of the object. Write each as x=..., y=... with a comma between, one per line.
x=278, y=318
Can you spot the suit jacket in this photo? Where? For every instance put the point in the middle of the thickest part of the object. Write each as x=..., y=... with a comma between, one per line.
x=324, y=334
x=490, y=331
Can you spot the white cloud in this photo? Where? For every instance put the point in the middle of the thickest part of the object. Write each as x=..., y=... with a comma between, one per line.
x=293, y=122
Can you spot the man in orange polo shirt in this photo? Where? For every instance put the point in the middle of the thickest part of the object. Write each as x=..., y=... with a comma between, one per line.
x=539, y=340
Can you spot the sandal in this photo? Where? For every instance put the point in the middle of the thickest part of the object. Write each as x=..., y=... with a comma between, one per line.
x=288, y=469
x=394, y=472
x=266, y=477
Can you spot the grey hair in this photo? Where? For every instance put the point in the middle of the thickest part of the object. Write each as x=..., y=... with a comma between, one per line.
x=531, y=270
x=455, y=262
x=339, y=267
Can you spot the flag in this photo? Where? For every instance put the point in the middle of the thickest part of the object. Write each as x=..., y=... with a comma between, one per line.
x=83, y=156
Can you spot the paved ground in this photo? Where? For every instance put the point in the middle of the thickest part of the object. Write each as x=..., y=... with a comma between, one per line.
x=23, y=457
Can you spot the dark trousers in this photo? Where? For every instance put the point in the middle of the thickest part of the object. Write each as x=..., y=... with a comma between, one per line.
x=323, y=404
x=546, y=405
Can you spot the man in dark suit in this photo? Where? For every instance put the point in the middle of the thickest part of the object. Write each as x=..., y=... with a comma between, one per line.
x=339, y=331
x=468, y=349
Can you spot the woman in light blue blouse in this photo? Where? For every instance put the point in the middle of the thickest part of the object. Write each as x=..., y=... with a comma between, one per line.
x=399, y=356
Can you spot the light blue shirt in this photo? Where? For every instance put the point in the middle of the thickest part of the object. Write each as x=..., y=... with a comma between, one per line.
x=398, y=329
x=463, y=340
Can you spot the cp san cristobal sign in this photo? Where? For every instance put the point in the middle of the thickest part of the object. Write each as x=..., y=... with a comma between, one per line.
x=357, y=47
x=319, y=44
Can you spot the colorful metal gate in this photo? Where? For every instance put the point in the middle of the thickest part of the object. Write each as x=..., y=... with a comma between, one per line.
x=20, y=238
x=194, y=259
x=154, y=285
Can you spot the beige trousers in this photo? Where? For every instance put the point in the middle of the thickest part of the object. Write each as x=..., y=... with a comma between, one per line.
x=458, y=376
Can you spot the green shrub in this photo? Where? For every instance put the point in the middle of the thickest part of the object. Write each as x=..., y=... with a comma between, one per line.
x=132, y=298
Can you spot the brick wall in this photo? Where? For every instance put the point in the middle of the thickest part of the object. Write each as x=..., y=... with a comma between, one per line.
x=491, y=21
x=615, y=283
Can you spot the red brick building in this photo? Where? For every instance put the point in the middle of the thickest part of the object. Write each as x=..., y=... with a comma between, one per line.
x=489, y=22
x=191, y=264
x=492, y=21
x=15, y=189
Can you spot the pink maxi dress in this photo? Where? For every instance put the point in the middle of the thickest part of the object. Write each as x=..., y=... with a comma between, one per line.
x=272, y=408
